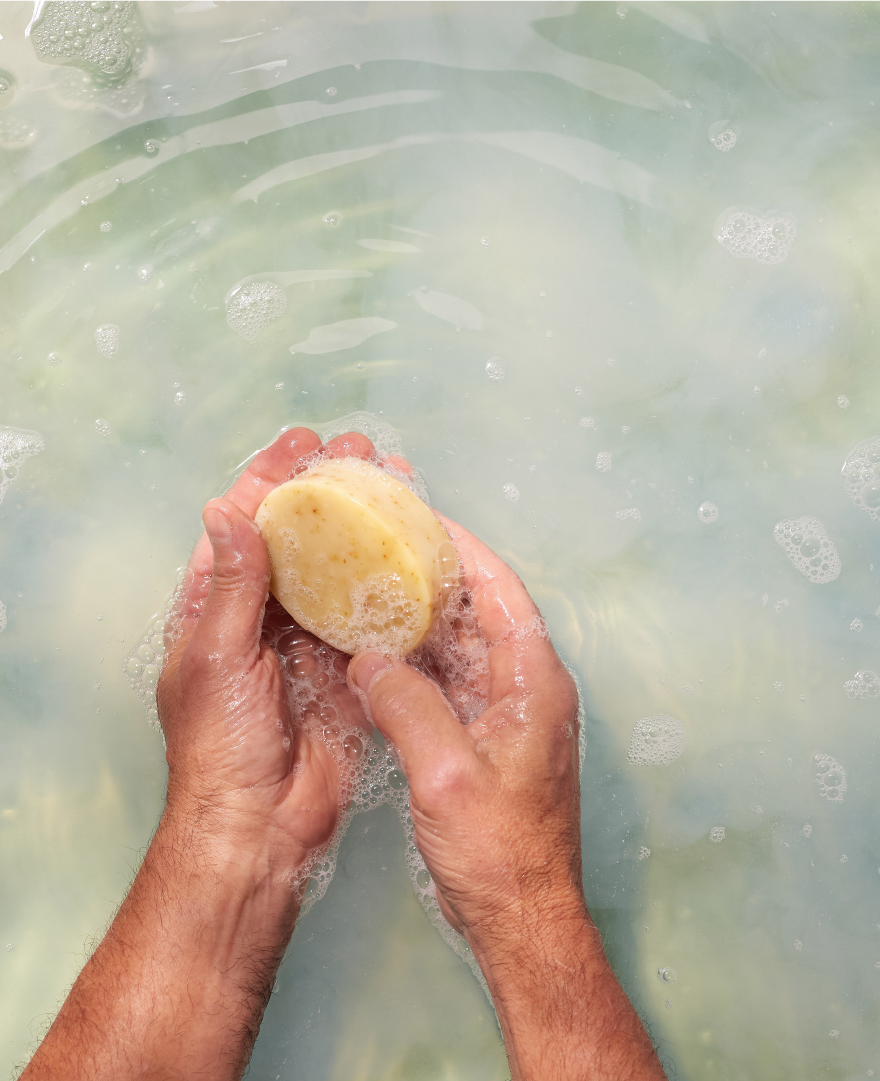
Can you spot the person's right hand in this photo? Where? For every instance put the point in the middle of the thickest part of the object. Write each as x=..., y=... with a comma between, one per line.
x=495, y=806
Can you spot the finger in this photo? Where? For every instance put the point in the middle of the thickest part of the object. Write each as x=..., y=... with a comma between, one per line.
x=350, y=445
x=520, y=652
x=231, y=618
x=271, y=467
x=411, y=711
x=401, y=464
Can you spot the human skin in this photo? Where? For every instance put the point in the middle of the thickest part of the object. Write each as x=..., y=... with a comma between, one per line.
x=177, y=988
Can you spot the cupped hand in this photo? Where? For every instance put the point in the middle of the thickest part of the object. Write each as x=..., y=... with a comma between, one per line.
x=236, y=756
x=495, y=804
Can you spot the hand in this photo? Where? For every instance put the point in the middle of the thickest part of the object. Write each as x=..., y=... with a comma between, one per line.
x=495, y=806
x=236, y=757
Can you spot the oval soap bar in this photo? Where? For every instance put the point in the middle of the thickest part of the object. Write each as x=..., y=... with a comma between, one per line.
x=357, y=558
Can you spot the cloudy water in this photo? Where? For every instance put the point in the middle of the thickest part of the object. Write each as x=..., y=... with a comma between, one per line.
x=609, y=274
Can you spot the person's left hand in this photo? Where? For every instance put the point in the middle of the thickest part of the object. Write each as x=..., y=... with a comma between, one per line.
x=236, y=759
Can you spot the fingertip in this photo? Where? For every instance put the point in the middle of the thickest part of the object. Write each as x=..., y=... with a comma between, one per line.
x=365, y=667
x=349, y=445
x=218, y=525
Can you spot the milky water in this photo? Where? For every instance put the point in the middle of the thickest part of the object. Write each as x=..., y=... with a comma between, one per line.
x=609, y=273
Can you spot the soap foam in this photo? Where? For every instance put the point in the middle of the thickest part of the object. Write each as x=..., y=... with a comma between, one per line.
x=253, y=307
x=865, y=684
x=809, y=548
x=90, y=35
x=656, y=741
x=16, y=446
x=747, y=236
x=831, y=778
x=861, y=477
x=107, y=340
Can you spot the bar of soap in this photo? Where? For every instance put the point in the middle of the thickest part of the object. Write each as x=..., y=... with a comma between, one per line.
x=357, y=558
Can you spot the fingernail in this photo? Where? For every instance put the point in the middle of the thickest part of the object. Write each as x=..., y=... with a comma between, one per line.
x=217, y=524
x=365, y=668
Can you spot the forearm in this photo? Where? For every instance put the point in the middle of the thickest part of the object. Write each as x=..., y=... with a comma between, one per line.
x=178, y=986
x=563, y=1014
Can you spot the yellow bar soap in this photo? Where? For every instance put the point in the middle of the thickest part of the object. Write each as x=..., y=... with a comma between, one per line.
x=357, y=558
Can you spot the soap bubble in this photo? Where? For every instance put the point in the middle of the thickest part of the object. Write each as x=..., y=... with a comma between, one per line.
x=54, y=359
x=586, y=422
x=808, y=829
x=831, y=778
x=332, y=218
x=656, y=741
x=102, y=427
x=152, y=147
x=861, y=477
x=865, y=684
x=629, y=512
x=798, y=945
x=746, y=236
x=494, y=369
x=843, y=401
x=856, y=625
x=16, y=446
x=724, y=140
x=106, y=226
x=809, y=548
x=717, y=834
x=603, y=461
x=667, y=975
x=644, y=852
x=707, y=512
x=7, y=88
x=78, y=33
x=107, y=340
x=253, y=307
x=511, y=492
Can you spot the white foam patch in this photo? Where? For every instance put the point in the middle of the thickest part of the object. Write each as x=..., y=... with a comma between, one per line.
x=250, y=309
x=809, y=548
x=2, y=617
x=747, y=236
x=724, y=140
x=831, y=778
x=345, y=334
x=861, y=477
x=629, y=512
x=865, y=684
x=462, y=314
x=107, y=340
x=16, y=446
x=656, y=741
x=707, y=512
x=603, y=461
x=69, y=32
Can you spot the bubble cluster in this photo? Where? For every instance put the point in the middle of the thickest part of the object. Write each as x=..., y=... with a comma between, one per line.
x=91, y=35
x=724, y=141
x=856, y=625
x=644, y=852
x=7, y=88
x=843, y=401
x=2, y=617
x=629, y=512
x=667, y=975
x=511, y=492
x=54, y=359
x=107, y=340
x=16, y=446
x=707, y=512
x=143, y=663
x=809, y=548
x=603, y=461
x=102, y=427
x=656, y=741
x=798, y=945
x=253, y=307
x=106, y=226
x=831, y=778
x=861, y=477
x=808, y=829
x=766, y=240
x=865, y=684
x=717, y=834
x=494, y=369
x=586, y=422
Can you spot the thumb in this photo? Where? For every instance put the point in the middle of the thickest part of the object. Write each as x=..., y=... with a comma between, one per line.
x=232, y=615
x=411, y=711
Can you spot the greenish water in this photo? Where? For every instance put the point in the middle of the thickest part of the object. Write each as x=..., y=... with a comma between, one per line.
x=642, y=236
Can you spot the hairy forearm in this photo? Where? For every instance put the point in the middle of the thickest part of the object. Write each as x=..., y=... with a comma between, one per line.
x=178, y=985
x=563, y=1014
